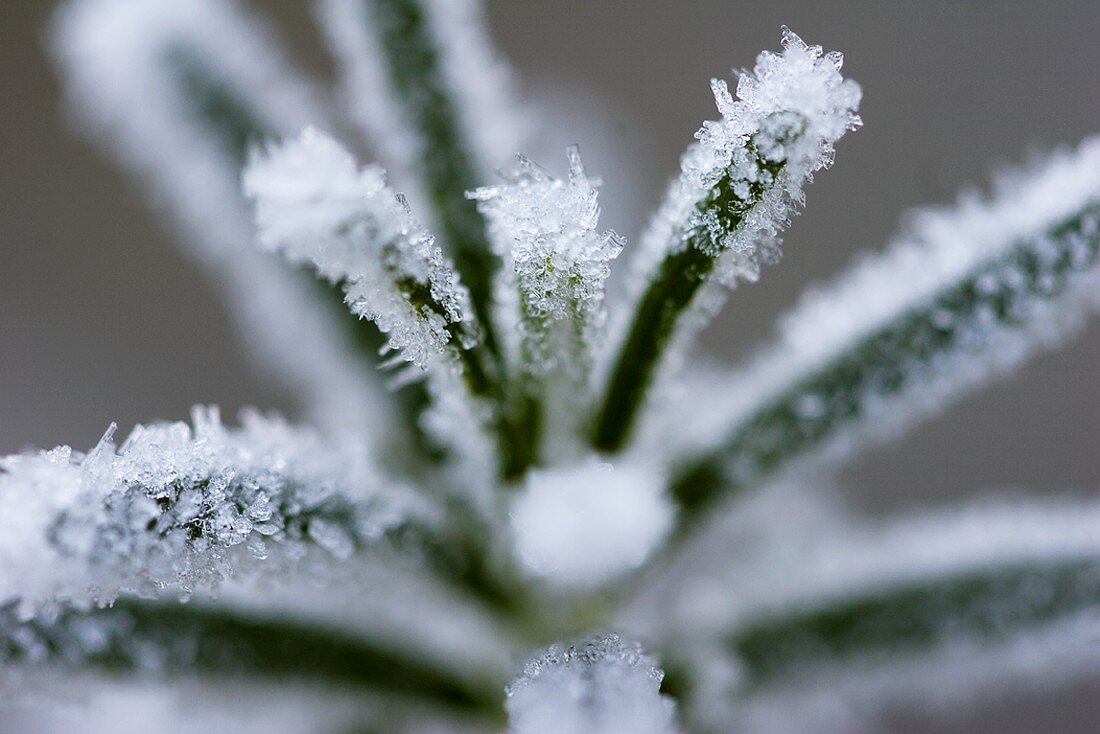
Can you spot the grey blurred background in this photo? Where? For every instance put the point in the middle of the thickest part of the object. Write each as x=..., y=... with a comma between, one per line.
x=101, y=320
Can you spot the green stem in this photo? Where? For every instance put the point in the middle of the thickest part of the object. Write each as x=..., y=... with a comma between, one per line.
x=892, y=360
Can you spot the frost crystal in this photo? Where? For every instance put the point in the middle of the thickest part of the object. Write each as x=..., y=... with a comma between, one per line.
x=739, y=184
x=604, y=685
x=545, y=229
x=317, y=207
x=176, y=506
x=584, y=524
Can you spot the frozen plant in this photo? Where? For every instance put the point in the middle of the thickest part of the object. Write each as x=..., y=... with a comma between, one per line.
x=499, y=484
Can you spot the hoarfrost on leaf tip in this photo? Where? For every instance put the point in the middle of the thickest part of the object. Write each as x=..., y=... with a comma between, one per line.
x=545, y=229
x=317, y=207
x=602, y=685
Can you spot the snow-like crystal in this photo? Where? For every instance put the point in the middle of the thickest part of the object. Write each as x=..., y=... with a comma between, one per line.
x=316, y=206
x=122, y=85
x=583, y=524
x=545, y=229
x=172, y=504
x=602, y=685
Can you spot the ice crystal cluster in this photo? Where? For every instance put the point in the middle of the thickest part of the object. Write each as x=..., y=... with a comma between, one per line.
x=498, y=455
x=169, y=507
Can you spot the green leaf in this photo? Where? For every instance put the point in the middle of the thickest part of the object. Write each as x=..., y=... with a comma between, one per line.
x=445, y=165
x=136, y=637
x=681, y=276
x=227, y=117
x=999, y=300
x=913, y=617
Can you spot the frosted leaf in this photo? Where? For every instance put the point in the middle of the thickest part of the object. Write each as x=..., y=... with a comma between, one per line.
x=476, y=82
x=546, y=231
x=317, y=207
x=942, y=246
x=114, y=705
x=421, y=76
x=135, y=73
x=172, y=505
x=789, y=112
x=978, y=597
x=602, y=685
x=965, y=295
x=722, y=218
x=847, y=558
x=584, y=524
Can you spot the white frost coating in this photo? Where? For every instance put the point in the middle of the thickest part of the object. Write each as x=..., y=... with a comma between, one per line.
x=843, y=557
x=940, y=248
x=545, y=229
x=584, y=524
x=365, y=89
x=604, y=685
x=481, y=86
x=174, y=506
x=112, y=53
x=315, y=205
x=790, y=110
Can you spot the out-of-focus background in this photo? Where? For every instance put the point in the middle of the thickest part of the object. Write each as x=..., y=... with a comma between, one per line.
x=101, y=319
